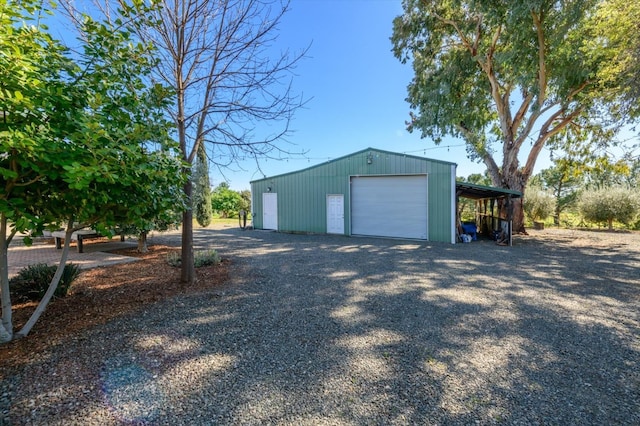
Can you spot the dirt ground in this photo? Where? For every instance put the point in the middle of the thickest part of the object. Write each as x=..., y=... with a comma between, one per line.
x=585, y=238
x=545, y=326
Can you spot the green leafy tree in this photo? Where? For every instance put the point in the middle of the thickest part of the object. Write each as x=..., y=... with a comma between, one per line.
x=607, y=205
x=564, y=181
x=539, y=203
x=509, y=76
x=606, y=172
x=35, y=99
x=226, y=201
x=632, y=179
x=86, y=141
x=202, y=189
x=618, y=22
x=579, y=162
x=154, y=203
x=245, y=204
x=479, y=179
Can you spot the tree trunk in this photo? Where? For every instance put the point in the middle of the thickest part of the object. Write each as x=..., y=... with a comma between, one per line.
x=188, y=270
x=52, y=286
x=518, y=217
x=6, y=329
x=516, y=182
x=142, y=242
x=558, y=209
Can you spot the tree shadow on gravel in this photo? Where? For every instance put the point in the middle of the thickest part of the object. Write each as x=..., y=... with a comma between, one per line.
x=325, y=329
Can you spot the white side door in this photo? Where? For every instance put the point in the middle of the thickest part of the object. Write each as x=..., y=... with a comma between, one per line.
x=270, y=210
x=335, y=214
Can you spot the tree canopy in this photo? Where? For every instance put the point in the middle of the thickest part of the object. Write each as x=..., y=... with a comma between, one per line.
x=83, y=137
x=508, y=77
x=609, y=204
x=226, y=201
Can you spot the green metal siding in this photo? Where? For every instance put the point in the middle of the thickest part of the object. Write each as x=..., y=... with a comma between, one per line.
x=439, y=202
x=302, y=194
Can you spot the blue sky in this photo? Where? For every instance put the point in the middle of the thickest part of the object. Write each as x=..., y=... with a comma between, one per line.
x=357, y=88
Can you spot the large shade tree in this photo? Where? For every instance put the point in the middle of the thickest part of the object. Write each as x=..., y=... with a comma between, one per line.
x=508, y=77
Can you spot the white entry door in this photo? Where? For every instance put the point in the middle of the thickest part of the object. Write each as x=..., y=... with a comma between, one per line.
x=270, y=210
x=335, y=214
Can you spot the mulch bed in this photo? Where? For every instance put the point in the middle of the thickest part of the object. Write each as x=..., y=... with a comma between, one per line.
x=102, y=294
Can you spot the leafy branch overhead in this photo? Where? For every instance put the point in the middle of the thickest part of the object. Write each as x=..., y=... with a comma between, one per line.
x=84, y=136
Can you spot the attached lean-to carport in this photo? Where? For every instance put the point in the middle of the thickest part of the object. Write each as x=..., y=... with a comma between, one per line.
x=493, y=213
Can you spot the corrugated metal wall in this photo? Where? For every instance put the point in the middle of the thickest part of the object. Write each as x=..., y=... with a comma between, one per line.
x=302, y=194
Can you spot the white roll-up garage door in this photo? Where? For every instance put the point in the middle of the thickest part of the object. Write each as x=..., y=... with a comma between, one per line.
x=389, y=206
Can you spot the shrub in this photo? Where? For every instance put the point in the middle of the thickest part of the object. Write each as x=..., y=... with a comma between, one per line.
x=174, y=259
x=206, y=258
x=32, y=282
x=538, y=204
x=200, y=258
x=609, y=204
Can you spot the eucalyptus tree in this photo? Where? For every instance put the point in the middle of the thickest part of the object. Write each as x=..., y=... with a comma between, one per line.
x=618, y=22
x=508, y=77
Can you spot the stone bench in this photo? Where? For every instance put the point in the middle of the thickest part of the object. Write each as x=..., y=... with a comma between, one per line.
x=79, y=236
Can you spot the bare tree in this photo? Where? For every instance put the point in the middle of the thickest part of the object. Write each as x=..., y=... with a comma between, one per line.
x=220, y=58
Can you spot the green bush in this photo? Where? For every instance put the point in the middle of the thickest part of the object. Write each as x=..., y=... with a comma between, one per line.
x=538, y=204
x=206, y=258
x=32, y=282
x=200, y=258
x=174, y=259
x=609, y=204
x=226, y=202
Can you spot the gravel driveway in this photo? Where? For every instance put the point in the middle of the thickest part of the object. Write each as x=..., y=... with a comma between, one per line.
x=355, y=331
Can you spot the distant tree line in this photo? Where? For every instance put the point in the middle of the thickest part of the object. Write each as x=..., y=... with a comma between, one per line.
x=225, y=203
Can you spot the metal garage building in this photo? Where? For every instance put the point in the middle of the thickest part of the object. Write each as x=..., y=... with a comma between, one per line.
x=370, y=192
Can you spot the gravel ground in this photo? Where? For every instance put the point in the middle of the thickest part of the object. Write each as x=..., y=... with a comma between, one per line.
x=332, y=330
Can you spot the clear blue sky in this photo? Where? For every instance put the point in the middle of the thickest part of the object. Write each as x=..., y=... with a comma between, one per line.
x=357, y=86
x=356, y=90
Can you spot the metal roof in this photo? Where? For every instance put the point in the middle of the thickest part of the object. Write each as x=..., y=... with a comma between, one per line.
x=478, y=192
x=355, y=154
